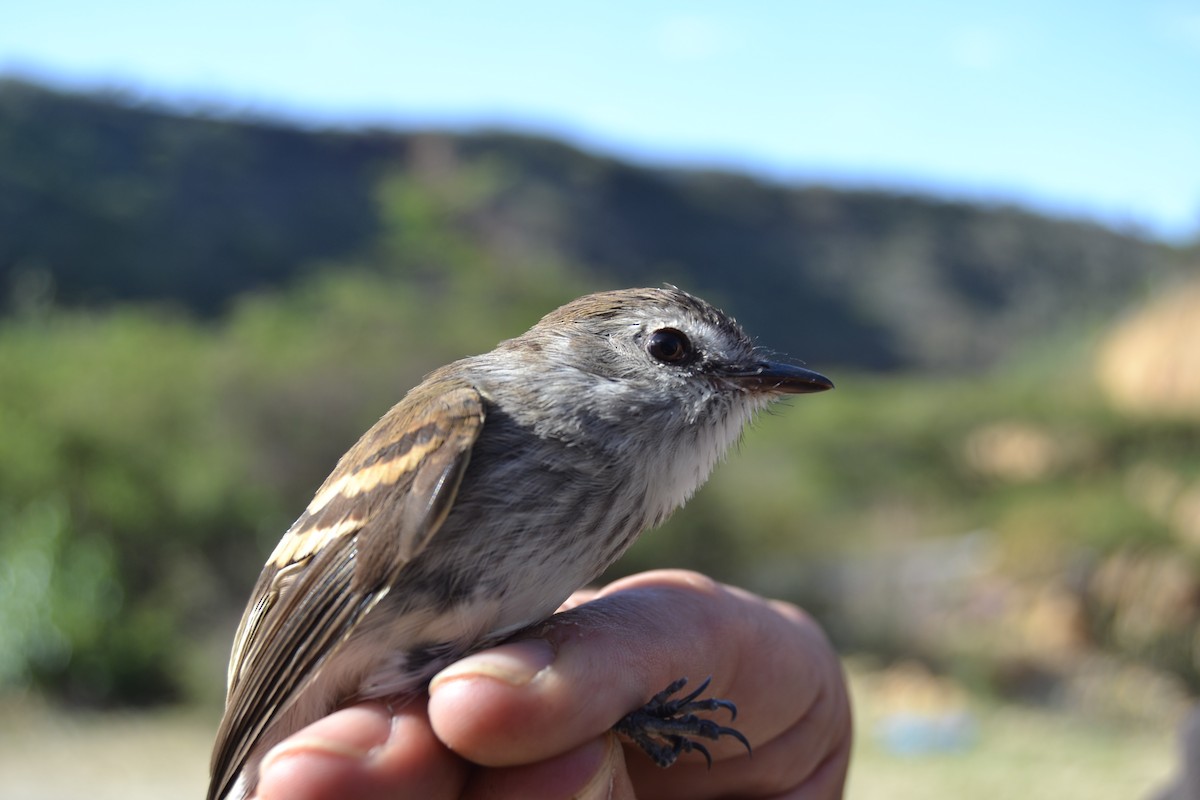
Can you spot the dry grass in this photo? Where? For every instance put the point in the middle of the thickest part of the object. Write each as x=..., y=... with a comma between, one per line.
x=1015, y=752
x=49, y=755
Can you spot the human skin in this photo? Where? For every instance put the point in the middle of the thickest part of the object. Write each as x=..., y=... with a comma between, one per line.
x=532, y=718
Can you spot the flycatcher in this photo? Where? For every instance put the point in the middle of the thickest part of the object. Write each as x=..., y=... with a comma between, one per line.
x=482, y=500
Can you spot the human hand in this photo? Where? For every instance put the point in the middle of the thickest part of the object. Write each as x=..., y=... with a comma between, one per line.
x=532, y=718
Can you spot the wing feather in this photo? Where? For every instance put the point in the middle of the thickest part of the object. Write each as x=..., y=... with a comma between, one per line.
x=377, y=511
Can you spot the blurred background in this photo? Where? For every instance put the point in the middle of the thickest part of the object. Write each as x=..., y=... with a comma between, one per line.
x=232, y=235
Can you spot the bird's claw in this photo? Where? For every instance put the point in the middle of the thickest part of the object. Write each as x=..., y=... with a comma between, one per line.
x=664, y=728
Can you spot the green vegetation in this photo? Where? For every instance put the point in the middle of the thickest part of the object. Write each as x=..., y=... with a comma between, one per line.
x=103, y=201
x=187, y=351
x=150, y=462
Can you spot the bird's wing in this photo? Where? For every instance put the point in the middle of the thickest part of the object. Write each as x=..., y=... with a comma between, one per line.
x=378, y=509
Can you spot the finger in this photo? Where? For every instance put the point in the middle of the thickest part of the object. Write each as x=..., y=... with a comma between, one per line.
x=792, y=700
x=579, y=598
x=768, y=657
x=603, y=659
x=593, y=771
x=366, y=751
x=807, y=761
x=590, y=666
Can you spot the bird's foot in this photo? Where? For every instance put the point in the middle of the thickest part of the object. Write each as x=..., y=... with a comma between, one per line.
x=664, y=728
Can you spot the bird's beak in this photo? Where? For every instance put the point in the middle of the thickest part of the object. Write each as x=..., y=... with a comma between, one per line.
x=776, y=378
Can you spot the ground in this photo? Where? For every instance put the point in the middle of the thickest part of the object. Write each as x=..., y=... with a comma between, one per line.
x=1002, y=752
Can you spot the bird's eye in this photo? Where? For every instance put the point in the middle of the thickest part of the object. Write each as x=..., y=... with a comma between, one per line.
x=669, y=346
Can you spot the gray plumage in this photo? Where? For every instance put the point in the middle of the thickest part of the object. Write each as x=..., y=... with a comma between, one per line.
x=482, y=500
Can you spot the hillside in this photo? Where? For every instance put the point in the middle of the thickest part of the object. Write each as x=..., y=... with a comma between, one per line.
x=151, y=457
x=105, y=200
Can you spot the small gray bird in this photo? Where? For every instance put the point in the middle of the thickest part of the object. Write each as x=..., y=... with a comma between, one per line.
x=482, y=500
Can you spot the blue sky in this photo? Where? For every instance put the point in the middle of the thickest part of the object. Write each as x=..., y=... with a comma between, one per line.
x=1089, y=109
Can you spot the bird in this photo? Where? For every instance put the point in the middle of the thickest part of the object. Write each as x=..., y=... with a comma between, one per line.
x=476, y=505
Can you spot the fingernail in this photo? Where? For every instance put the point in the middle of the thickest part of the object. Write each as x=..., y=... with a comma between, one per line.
x=311, y=746
x=600, y=786
x=516, y=664
x=348, y=735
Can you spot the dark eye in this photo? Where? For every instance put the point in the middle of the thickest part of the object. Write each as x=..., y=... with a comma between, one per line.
x=669, y=346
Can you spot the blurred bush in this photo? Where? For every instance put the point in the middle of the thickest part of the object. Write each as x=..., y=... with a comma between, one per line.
x=150, y=461
x=1008, y=527
x=1026, y=526
x=1013, y=529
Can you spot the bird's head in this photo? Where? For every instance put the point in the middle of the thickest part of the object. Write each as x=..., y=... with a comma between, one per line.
x=664, y=346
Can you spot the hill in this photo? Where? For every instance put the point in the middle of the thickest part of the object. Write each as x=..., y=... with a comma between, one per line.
x=151, y=458
x=106, y=200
